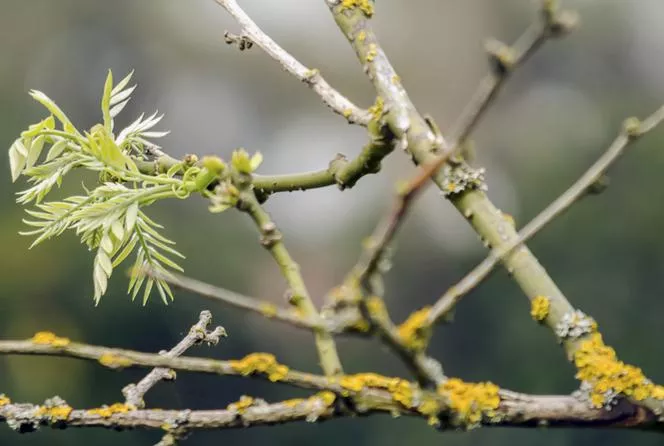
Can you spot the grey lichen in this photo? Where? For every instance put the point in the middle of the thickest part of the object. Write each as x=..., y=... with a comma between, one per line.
x=460, y=177
x=575, y=324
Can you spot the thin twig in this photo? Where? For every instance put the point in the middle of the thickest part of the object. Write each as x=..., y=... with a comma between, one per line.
x=490, y=85
x=272, y=240
x=340, y=323
x=387, y=229
x=116, y=358
x=312, y=77
x=198, y=333
x=367, y=273
x=633, y=129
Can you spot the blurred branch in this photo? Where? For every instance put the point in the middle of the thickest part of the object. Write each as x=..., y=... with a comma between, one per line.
x=339, y=324
x=198, y=333
x=632, y=130
x=271, y=239
x=312, y=77
x=504, y=60
x=373, y=262
x=464, y=187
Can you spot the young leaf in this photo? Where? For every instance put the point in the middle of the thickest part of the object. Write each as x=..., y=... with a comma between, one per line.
x=17, y=159
x=106, y=102
x=54, y=109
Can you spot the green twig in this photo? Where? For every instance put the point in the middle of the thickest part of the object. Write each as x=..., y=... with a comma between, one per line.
x=271, y=239
x=339, y=324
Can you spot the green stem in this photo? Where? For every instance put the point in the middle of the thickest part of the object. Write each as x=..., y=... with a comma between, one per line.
x=340, y=171
x=271, y=239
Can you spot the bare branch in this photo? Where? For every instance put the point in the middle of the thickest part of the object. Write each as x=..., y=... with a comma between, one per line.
x=367, y=273
x=312, y=77
x=271, y=239
x=632, y=130
x=504, y=60
x=116, y=358
x=198, y=333
x=340, y=323
x=516, y=410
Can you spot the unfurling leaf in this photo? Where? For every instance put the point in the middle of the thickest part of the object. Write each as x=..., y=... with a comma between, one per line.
x=109, y=217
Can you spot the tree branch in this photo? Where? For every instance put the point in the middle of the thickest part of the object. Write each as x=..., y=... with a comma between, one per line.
x=312, y=77
x=340, y=171
x=632, y=130
x=271, y=239
x=516, y=410
x=505, y=59
x=340, y=323
x=198, y=333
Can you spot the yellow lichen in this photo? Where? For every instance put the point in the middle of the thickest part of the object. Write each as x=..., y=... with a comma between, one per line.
x=361, y=36
x=539, y=308
x=372, y=52
x=366, y=6
x=242, y=405
x=402, y=391
x=56, y=413
x=326, y=397
x=48, y=338
x=293, y=402
x=4, y=400
x=113, y=361
x=108, y=411
x=260, y=363
x=415, y=331
x=376, y=307
x=268, y=309
x=361, y=325
x=471, y=402
x=396, y=79
x=347, y=113
x=299, y=312
x=376, y=110
x=430, y=407
x=608, y=377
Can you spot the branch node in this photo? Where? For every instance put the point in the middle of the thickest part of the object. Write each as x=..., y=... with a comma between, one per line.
x=502, y=58
x=242, y=41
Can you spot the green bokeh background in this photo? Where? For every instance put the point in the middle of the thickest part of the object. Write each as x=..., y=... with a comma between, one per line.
x=554, y=118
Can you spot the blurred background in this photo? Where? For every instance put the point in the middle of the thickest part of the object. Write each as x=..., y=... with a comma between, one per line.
x=555, y=117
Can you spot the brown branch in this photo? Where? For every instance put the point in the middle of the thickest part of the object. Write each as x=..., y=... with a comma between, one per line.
x=369, y=393
x=516, y=410
x=632, y=130
x=197, y=334
x=312, y=77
